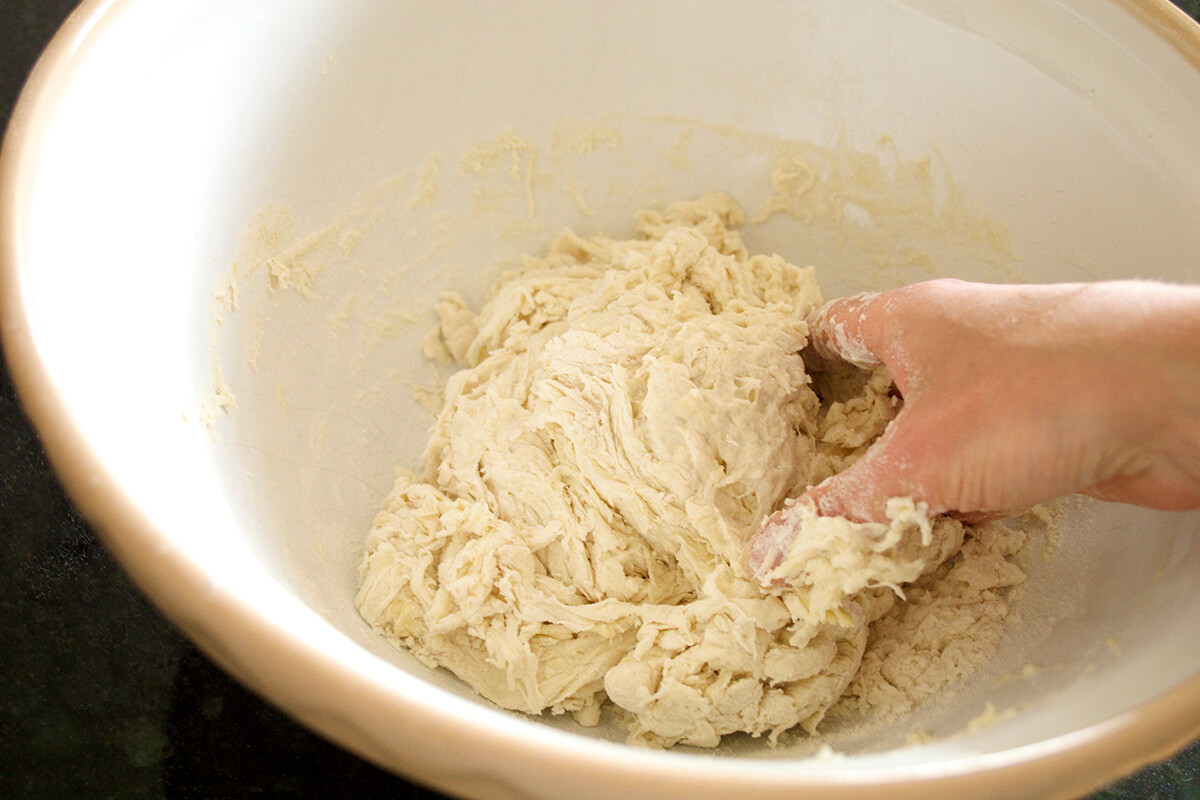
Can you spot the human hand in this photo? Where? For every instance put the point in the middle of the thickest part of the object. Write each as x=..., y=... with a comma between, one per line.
x=1017, y=394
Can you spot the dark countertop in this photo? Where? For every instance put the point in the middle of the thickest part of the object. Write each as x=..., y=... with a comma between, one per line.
x=100, y=697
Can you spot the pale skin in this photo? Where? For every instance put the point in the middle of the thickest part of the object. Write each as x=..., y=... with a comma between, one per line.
x=1014, y=395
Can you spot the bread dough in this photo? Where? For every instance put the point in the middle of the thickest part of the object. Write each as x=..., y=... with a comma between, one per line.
x=626, y=415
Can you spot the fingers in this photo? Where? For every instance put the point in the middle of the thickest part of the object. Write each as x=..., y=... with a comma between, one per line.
x=892, y=467
x=846, y=329
x=860, y=493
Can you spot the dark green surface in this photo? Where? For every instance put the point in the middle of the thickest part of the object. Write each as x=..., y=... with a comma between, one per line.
x=101, y=698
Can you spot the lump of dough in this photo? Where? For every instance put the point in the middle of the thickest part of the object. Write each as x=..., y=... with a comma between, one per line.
x=626, y=414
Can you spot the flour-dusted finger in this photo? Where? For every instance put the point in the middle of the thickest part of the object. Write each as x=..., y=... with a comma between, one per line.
x=844, y=329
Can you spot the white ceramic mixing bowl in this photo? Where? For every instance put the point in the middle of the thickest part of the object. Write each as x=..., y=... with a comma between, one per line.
x=224, y=224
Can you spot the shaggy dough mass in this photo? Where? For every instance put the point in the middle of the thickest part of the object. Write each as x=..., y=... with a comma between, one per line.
x=626, y=415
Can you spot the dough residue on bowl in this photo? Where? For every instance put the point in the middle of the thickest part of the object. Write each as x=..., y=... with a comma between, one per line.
x=625, y=416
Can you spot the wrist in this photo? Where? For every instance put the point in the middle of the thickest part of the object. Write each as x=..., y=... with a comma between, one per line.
x=1164, y=388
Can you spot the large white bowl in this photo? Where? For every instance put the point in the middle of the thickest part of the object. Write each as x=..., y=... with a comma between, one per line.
x=159, y=143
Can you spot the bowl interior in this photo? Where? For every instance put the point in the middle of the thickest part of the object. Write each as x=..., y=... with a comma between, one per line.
x=228, y=260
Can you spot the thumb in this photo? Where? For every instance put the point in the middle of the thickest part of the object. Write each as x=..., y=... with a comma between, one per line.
x=859, y=493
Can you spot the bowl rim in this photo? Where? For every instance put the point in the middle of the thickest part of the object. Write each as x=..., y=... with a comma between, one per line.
x=251, y=647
